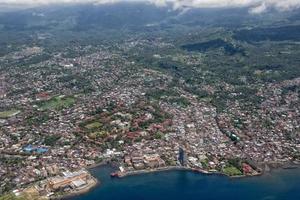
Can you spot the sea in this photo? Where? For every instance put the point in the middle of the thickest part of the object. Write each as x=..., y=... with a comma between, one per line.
x=281, y=184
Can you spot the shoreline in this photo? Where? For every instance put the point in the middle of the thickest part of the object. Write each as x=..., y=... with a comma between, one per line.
x=272, y=166
x=180, y=168
x=103, y=163
x=147, y=171
x=79, y=192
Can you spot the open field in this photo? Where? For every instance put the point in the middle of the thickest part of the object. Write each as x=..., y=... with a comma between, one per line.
x=9, y=113
x=93, y=125
x=10, y=197
x=232, y=171
x=57, y=103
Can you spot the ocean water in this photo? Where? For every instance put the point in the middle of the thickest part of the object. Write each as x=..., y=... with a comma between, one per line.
x=185, y=185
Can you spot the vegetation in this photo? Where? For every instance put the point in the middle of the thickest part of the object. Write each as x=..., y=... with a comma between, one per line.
x=181, y=101
x=51, y=140
x=232, y=171
x=158, y=135
x=42, y=117
x=11, y=197
x=57, y=103
x=8, y=113
x=204, y=163
x=157, y=94
x=195, y=60
x=273, y=33
x=235, y=162
x=98, y=135
x=212, y=45
x=25, y=196
x=93, y=125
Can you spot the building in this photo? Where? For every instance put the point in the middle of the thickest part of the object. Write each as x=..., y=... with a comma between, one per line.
x=69, y=179
x=182, y=156
x=153, y=161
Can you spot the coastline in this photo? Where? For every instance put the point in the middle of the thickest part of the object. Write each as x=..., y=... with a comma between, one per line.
x=284, y=166
x=180, y=168
x=169, y=184
x=102, y=163
x=270, y=166
x=94, y=183
x=146, y=171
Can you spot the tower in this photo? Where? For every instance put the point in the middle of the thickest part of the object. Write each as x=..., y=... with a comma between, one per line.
x=182, y=156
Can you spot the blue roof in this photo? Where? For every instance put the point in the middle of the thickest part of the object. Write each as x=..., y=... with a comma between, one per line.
x=30, y=148
x=41, y=150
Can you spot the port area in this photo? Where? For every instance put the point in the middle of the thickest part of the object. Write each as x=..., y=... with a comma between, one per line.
x=61, y=186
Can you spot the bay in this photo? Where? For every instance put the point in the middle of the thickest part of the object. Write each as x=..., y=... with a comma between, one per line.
x=180, y=185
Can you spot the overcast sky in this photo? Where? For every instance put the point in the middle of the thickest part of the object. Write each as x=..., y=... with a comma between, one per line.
x=257, y=6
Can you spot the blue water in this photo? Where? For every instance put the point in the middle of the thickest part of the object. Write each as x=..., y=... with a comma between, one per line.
x=184, y=185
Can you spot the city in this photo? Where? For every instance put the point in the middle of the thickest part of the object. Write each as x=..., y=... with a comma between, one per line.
x=145, y=104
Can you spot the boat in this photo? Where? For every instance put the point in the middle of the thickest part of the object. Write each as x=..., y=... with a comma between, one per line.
x=114, y=174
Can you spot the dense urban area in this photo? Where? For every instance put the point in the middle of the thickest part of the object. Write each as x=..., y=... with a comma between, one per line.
x=223, y=98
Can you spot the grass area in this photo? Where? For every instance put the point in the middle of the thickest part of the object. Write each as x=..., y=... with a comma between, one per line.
x=232, y=171
x=57, y=103
x=93, y=125
x=98, y=134
x=50, y=140
x=181, y=101
x=32, y=194
x=8, y=197
x=8, y=113
x=157, y=94
x=204, y=163
x=12, y=197
x=27, y=194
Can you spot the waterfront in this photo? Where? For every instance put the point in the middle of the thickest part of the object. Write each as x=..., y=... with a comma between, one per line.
x=279, y=185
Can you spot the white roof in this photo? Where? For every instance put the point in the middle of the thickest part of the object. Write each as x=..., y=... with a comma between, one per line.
x=78, y=182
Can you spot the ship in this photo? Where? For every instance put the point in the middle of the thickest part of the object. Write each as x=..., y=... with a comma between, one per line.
x=114, y=174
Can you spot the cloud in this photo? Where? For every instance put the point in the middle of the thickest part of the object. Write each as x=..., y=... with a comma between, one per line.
x=46, y=2
x=256, y=6
x=259, y=9
x=40, y=2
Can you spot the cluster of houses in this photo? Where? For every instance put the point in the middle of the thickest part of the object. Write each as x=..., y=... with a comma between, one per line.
x=105, y=77
x=139, y=162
